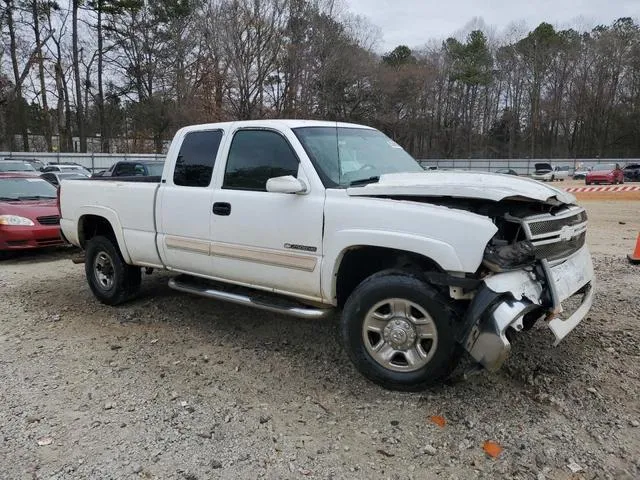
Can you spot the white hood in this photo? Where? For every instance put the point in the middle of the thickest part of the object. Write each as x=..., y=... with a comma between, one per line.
x=490, y=186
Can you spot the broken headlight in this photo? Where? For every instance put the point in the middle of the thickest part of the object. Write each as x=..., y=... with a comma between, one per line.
x=502, y=256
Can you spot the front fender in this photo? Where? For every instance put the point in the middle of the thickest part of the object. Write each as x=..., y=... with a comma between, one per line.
x=112, y=217
x=440, y=252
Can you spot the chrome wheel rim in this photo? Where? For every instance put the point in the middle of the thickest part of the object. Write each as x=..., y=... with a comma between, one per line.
x=103, y=271
x=400, y=335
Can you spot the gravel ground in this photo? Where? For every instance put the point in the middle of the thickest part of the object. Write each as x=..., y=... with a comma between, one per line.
x=177, y=387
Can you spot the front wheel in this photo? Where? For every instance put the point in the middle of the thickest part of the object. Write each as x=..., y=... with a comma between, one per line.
x=399, y=333
x=111, y=280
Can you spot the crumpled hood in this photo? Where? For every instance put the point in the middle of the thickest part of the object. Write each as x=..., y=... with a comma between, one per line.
x=490, y=186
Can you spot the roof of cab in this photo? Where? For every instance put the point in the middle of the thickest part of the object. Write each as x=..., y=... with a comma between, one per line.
x=279, y=123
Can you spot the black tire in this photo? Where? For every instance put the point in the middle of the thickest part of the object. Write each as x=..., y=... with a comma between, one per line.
x=397, y=284
x=126, y=278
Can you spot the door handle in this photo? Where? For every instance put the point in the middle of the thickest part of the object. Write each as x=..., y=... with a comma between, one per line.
x=222, y=208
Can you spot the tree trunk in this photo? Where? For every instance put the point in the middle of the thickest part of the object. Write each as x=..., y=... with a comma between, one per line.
x=76, y=74
x=20, y=112
x=46, y=127
x=104, y=132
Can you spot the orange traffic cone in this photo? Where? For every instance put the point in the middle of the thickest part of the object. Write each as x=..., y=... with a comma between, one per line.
x=635, y=256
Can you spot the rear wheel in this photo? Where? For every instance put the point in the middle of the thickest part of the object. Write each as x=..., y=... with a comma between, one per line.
x=111, y=280
x=399, y=333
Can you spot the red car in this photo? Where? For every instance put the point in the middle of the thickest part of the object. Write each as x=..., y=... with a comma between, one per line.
x=29, y=214
x=605, y=173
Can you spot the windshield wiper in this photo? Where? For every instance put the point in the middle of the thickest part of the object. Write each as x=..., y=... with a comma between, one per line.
x=364, y=181
x=9, y=198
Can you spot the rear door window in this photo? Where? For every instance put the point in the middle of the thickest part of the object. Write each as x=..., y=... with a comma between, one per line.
x=197, y=156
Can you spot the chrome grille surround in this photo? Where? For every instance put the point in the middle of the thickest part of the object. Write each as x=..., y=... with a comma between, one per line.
x=556, y=237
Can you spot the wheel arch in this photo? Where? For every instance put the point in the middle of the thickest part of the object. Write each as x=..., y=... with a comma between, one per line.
x=358, y=262
x=102, y=221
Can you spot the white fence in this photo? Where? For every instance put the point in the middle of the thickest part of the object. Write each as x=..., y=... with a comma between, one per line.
x=100, y=161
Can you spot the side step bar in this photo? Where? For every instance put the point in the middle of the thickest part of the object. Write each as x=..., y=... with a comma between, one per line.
x=247, y=297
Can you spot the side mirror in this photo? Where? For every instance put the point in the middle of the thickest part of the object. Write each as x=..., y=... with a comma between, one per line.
x=286, y=184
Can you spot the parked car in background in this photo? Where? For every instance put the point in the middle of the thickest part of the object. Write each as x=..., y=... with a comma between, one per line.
x=507, y=171
x=304, y=217
x=605, y=173
x=38, y=165
x=67, y=167
x=130, y=168
x=16, y=166
x=546, y=172
x=631, y=172
x=54, y=178
x=29, y=215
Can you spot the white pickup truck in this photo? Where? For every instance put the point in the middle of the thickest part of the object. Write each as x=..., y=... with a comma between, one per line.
x=306, y=218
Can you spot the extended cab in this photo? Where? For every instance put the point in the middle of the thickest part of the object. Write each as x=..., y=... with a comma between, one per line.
x=306, y=218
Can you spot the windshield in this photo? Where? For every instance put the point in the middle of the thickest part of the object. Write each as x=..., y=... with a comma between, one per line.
x=16, y=167
x=343, y=156
x=155, y=169
x=604, y=167
x=25, y=189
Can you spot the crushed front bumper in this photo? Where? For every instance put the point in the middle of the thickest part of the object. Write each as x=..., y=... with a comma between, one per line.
x=506, y=298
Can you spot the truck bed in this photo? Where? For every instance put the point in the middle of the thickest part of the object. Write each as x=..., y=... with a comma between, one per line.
x=129, y=205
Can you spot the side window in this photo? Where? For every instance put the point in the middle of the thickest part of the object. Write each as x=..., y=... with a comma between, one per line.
x=197, y=156
x=124, y=170
x=256, y=156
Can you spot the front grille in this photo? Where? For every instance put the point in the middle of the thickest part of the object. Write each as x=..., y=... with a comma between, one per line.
x=562, y=249
x=49, y=220
x=542, y=227
x=556, y=238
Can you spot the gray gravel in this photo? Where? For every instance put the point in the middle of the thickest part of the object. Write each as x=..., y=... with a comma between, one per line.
x=177, y=387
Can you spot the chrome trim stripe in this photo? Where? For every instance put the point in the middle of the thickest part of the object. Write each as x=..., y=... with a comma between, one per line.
x=294, y=261
x=187, y=244
x=267, y=257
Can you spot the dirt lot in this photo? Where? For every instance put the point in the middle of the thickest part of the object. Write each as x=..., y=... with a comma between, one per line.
x=177, y=387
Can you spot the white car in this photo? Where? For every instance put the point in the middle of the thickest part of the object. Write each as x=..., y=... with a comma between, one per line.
x=66, y=168
x=308, y=218
x=546, y=172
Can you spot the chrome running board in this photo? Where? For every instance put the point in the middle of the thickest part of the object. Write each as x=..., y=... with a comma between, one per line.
x=247, y=297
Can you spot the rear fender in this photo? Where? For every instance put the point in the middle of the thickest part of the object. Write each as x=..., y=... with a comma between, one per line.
x=112, y=217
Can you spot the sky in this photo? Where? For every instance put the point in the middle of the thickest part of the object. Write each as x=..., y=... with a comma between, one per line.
x=415, y=22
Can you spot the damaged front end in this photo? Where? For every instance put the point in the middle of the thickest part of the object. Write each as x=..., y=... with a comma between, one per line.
x=532, y=266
